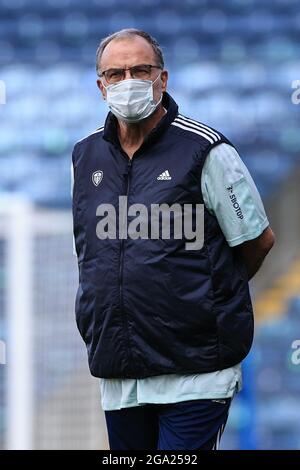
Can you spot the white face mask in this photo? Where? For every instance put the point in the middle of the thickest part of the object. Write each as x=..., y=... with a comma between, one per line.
x=131, y=100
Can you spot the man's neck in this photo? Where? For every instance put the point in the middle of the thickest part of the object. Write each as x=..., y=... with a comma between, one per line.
x=131, y=135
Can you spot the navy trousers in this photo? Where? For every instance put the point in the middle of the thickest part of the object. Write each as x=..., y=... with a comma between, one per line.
x=186, y=425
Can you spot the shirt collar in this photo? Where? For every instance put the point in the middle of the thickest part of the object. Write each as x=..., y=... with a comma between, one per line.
x=110, y=127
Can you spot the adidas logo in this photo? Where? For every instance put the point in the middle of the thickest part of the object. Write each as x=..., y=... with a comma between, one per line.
x=165, y=175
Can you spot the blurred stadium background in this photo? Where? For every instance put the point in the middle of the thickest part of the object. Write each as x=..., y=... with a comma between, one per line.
x=231, y=65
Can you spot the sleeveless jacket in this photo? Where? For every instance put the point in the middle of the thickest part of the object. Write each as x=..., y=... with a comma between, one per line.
x=148, y=306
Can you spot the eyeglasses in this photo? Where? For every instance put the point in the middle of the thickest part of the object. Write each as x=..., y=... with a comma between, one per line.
x=142, y=71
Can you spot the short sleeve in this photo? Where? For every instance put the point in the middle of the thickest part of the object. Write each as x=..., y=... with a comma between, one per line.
x=230, y=194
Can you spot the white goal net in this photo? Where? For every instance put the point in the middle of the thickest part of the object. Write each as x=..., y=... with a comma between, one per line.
x=48, y=399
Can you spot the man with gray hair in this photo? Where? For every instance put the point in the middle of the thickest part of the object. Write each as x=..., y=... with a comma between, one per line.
x=166, y=328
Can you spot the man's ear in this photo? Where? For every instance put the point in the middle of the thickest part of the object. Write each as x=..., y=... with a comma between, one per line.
x=101, y=88
x=164, y=79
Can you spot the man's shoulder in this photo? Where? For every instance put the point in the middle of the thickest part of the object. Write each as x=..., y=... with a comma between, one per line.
x=197, y=130
x=96, y=134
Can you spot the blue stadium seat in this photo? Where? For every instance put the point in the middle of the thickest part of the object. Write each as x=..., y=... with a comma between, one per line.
x=221, y=57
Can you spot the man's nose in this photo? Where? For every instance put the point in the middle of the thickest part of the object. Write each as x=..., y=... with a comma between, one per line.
x=127, y=74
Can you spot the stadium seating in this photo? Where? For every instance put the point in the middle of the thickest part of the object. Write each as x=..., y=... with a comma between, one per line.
x=225, y=68
x=277, y=386
x=231, y=65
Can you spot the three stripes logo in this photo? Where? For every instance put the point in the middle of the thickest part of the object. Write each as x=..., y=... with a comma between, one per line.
x=197, y=128
x=165, y=175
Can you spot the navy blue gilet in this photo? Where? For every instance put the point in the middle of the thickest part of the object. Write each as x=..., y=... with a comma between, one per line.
x=147, y=307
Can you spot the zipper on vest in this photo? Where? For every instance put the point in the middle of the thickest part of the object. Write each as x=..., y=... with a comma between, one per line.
x=129, y=165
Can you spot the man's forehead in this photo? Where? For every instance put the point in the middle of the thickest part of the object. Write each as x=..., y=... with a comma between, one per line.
x=127, y=51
